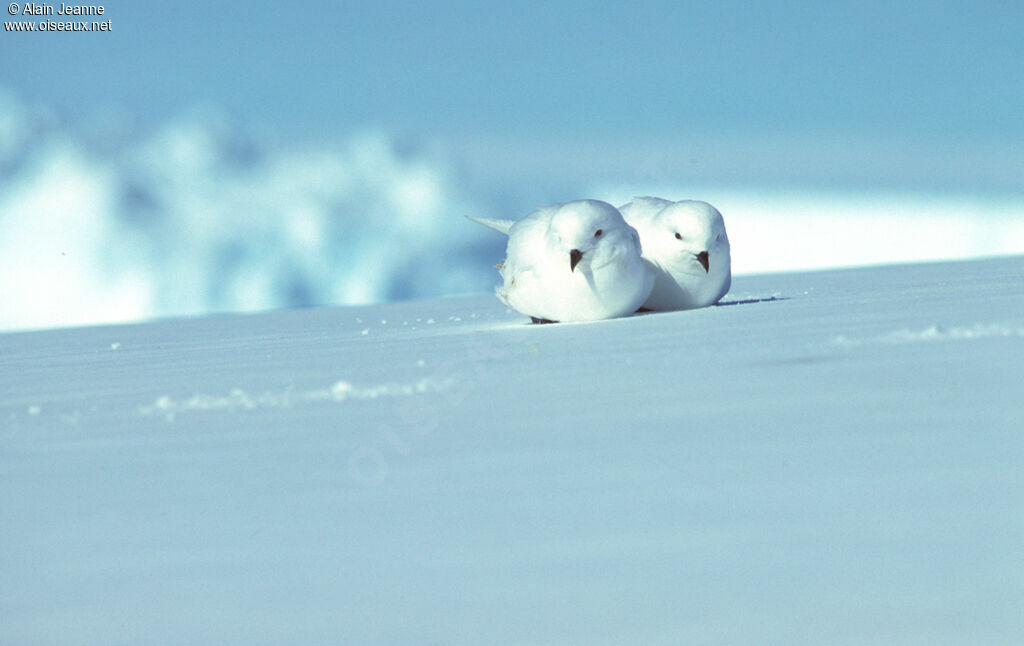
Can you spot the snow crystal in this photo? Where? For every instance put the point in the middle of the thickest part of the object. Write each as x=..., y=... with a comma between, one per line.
x=340, y=390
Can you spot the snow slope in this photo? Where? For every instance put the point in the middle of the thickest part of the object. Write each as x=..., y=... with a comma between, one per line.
x=830, y=457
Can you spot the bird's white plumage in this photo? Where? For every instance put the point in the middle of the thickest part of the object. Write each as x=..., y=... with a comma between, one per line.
x=608, y=278
x=674, y=235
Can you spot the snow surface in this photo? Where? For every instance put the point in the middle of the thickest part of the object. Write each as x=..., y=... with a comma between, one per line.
x=830, y=457
x=106, y=221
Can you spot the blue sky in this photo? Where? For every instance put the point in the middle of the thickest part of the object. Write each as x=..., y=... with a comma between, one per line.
x=941, y=78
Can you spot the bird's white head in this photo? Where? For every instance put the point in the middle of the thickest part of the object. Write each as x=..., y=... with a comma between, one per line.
x=689, y=232
x=591, y=233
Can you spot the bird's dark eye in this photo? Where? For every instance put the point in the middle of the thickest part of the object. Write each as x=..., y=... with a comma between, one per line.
x=597, y=234
x=678, y=237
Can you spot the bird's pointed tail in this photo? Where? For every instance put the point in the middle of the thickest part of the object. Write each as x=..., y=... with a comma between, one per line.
x=501, y=226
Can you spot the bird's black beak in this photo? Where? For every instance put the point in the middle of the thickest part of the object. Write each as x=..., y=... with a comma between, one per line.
x=702, y=258
x=574, y=258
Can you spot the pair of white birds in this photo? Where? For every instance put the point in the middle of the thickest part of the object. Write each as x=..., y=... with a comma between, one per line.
x=586, y=260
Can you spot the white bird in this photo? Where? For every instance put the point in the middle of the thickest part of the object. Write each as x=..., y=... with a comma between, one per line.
x=686, y=243
x=577, y=261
